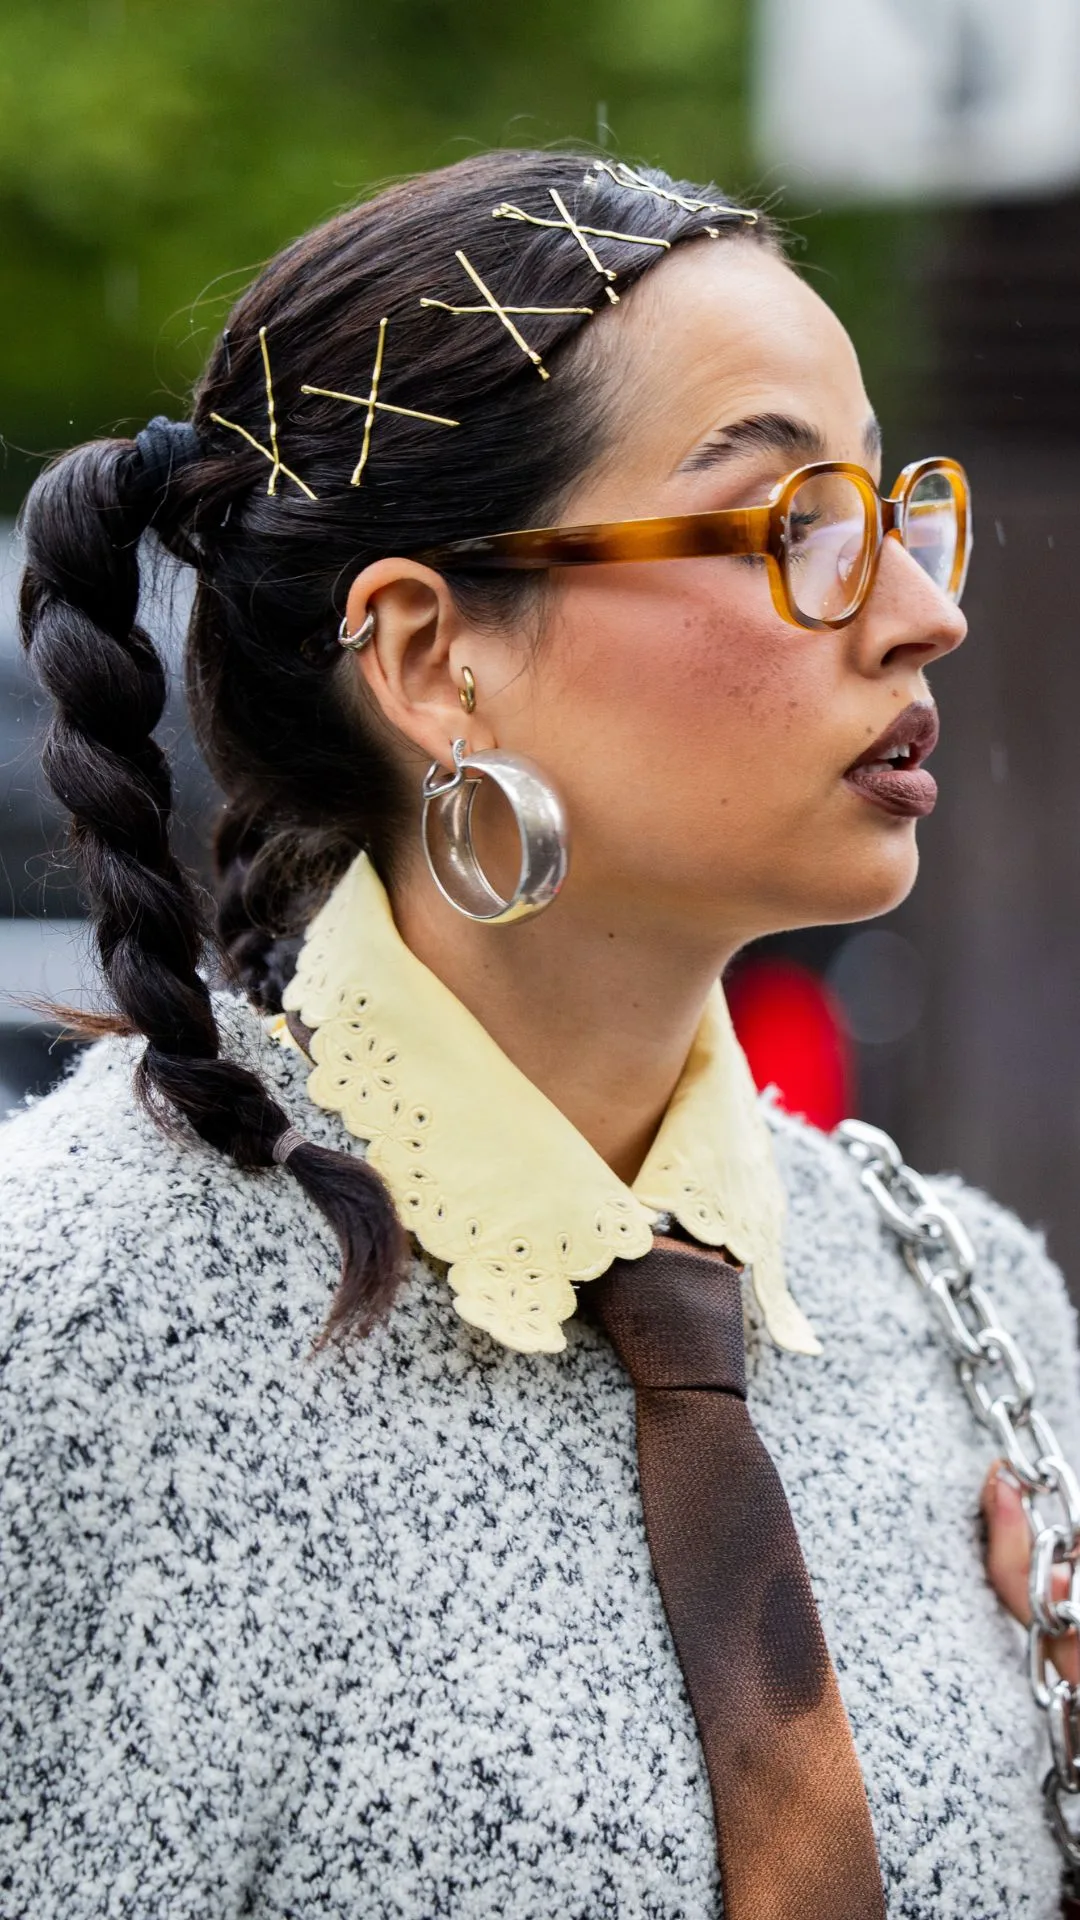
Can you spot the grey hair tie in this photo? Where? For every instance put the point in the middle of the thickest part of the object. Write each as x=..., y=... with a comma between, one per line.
x=287, y=1143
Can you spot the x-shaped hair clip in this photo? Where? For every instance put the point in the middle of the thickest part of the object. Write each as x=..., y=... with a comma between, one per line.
x=625, y=176
x=582, y=234
x=491, y=305
x=373, y=405
x=272, y=452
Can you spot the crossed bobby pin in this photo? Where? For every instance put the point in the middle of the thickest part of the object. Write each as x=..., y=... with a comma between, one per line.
x=623, y=176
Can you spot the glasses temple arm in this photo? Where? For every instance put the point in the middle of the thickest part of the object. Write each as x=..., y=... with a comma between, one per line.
x=736, y=530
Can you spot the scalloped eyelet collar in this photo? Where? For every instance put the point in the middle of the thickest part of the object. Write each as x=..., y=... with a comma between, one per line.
x=487, y=1174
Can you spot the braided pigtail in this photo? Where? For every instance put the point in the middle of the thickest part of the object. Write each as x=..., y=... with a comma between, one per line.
x=258, y=960
x=270, y=881
x=79, y=615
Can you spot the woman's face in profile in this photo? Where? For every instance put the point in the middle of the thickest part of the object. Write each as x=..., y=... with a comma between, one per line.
x=701, y=742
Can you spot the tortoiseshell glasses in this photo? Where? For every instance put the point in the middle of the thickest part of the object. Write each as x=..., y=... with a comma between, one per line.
x=820, y=532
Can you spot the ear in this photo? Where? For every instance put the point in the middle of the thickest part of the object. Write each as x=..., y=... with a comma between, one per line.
x=413, y=666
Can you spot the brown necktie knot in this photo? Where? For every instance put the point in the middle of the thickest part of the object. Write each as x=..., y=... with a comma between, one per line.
x=675, y=1319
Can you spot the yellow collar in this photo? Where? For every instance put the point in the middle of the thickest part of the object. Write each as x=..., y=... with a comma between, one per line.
x=487, y=1174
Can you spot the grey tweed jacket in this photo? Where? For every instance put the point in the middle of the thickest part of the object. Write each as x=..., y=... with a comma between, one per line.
x=375, y=1636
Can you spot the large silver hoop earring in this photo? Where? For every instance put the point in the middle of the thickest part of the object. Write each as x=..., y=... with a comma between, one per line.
x=446, y=829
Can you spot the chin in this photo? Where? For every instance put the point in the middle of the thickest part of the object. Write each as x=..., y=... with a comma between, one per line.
x=875, y=886
x=858, y=884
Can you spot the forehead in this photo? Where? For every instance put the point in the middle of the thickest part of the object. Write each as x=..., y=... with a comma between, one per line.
x=723, y=331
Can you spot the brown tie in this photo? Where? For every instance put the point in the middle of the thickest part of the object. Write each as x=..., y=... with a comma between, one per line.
x=793, y=1828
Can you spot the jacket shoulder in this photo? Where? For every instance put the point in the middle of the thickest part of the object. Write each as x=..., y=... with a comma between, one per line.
x=109, y=1215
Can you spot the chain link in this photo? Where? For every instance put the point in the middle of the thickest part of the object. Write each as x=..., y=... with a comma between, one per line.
x=1000, y=1389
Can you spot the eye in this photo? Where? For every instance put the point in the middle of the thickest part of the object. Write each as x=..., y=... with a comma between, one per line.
x=800, y=525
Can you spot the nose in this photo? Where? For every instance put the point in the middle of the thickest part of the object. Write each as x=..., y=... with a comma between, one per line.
x=906, y=614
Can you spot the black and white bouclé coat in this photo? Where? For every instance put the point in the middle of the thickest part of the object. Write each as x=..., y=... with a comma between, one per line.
x=374, y=1635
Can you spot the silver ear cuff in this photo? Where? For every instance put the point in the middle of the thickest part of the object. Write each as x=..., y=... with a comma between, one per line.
x=446, y=830
x=356, y=642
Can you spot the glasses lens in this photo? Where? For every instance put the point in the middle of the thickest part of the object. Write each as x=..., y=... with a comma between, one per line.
x=828, y=546
x=932, y=528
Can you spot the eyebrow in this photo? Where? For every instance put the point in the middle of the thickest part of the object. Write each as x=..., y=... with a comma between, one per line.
x=770, y=433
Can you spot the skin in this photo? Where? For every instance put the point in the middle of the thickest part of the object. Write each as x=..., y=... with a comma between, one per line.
x=698, y=740
x=1008, y=1561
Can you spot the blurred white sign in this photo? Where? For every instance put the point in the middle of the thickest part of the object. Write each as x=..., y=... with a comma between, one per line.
x=904, y=98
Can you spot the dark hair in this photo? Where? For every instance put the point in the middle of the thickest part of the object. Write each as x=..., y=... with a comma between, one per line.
x=304, y=788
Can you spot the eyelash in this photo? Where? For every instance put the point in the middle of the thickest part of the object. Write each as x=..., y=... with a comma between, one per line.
x=798, y=521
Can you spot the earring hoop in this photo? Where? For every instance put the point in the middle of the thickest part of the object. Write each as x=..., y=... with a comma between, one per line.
x=356, y=642
x=446, y=832
x=467, y=693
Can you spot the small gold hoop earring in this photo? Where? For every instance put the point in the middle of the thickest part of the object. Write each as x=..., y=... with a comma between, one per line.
x=467, y=693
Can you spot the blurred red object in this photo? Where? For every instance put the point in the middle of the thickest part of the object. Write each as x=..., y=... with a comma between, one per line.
x=792, y=1032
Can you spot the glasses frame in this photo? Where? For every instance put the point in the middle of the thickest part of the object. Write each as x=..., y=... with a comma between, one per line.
x=729, y=531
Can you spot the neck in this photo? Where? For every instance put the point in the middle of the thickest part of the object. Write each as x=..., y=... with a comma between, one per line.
x=599, y=1014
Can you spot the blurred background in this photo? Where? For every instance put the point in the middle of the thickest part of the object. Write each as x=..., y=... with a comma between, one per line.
x=926, y=154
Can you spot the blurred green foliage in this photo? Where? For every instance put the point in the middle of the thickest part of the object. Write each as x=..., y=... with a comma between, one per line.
x=152, y=154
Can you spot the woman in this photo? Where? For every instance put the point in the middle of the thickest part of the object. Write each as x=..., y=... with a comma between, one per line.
x=397, y=1626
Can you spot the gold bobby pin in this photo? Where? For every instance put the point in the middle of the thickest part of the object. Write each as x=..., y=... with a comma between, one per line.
x=374, y=405
x=503, y=313
x=272, y=452
x=569, y=225
x=625, y=176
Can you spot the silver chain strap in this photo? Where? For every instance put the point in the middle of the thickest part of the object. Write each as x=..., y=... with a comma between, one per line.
x=1001, y=1391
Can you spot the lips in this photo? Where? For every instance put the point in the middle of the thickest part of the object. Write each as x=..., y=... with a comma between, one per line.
x=890, y=773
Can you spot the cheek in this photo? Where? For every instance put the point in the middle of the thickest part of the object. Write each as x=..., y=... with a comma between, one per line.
x=666, y=677
x=699, y=741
